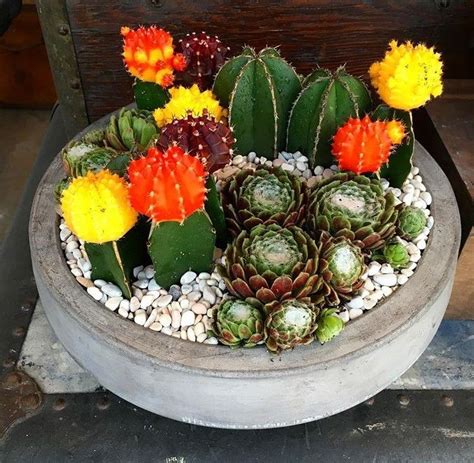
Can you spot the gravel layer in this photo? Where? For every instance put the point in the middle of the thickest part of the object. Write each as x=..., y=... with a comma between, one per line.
x=186, y=310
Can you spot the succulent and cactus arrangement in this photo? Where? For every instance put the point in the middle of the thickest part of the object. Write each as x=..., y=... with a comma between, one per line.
x=190, y=218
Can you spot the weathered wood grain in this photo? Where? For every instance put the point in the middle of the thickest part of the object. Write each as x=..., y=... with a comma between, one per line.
x=328, y=33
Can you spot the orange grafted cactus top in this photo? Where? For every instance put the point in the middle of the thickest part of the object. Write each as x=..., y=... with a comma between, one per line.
x=167, y=186
x=364, y=146
x=148, y=53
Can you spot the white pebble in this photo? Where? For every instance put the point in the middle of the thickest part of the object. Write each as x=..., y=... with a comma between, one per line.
x=151, y=319
x=187, y=318
x=165, y=319
x=149, y=272
x=186, y=289
x=407, y=198
x=211, y=340
x=134, y=303
x=100, y=283
x=156, y=326
x=402, y=279
x=327, y=173
x=147, y=300
x=175, y=319
x=396, y=192
x=124, y=313
x=408, y=188
x=385, y=279
x=153, y=285
x=199, y=308
x=344, y=316
x=301, y=166
x=71, y=246
x=125, y=304
x=111, y=290
x=142, y=275
x=407, y=272
x=354, y=313
x=426, y=197
x=386, y=268
x=421, y=245
x=377, y=295
x=385, y=183
x=417, y=184
x=370, y=303
x=288, y=167
x=95, y=292
x=318, y=170
x=163, y=301
x=374, y=267
x=415, y=257
x=420, y=203
x=167, y=330
x=113, y=303
x=204, y=276
x=188, y=277
x=209, y=295
x=430, y=222
x=184, y=303
x=194, y=296
x=237, y=159
x=140, y=317
x=76, y=272
x=251, y=156
x=412, y=249
x=137, y=270
x=64, y=234
x=199, y=328
x=190, y=334
x=355, y=303
x=369, y=285
x=386, y=291
x=202, y=337
x=142, y=283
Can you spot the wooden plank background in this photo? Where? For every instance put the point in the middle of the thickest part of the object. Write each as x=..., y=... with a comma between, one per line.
x=310, y=32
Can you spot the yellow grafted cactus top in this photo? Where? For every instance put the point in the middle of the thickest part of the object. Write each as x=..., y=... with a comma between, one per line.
x=184, y=100
x=97, y=209
x=408, y=76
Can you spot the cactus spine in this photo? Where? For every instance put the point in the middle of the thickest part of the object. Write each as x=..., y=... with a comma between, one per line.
x=259, y=90
x=325, y=103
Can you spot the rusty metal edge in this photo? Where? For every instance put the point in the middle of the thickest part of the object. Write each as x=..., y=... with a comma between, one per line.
x=62, y=58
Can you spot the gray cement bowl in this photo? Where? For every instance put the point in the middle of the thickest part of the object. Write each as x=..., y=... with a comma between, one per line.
x=248, y=389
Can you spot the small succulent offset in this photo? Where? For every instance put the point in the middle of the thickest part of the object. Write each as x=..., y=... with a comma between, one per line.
x=341, y=266
x=290, y=324
x=202, y=136
x=329, y=325
x=353, y=206
x=264, y=196
x=411, y=222
x=204, y=55
x=395, y=254
x=238, y=323
x=132, y=130
x=271, y=264
x=80, y=158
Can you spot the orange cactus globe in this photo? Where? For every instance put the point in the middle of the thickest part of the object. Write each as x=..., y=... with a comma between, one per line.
x=167, y=186
x=149, y=55
x=364, y=146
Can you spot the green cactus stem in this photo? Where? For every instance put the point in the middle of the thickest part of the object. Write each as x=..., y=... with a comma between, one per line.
x=114, y=261
x=149, y=95
x=176, y=247
x=216, y=213
x=325, y=103
x=400, y=161
x=259, y=90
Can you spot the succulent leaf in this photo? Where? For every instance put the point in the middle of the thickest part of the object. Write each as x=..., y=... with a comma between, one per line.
x=329, y=325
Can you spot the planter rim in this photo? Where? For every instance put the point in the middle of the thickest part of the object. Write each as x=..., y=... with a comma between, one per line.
x=381, y=324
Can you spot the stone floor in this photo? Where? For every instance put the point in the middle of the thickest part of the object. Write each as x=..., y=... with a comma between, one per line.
x=21, y=132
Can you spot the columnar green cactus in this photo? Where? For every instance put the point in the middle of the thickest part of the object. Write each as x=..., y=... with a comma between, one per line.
x=259, y=90
x=326, y=102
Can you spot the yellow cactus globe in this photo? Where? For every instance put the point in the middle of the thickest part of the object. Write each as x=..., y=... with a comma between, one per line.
x=408, y=76
x=188, y=100
x=96, y=207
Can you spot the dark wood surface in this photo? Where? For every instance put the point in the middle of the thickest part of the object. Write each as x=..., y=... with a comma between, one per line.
x=328, y=33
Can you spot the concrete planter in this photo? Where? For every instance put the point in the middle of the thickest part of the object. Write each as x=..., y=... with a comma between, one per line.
x=217, y=386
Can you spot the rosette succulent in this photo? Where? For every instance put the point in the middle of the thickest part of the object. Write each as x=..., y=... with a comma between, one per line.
x=395, y=254
x=411, y=222
x=353, y=206
x=271, y=263
x=80, y=158
x=341, y=265
x=238, y=323
x=292, y=323
x=132, y=130
x=329, y=325
x=264, y=196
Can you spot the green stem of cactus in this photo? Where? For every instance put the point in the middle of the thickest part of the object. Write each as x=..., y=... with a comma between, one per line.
x=149, y=95
x=176, y=247
x=114, y=261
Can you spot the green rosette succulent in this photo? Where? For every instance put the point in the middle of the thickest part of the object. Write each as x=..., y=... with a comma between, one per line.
x=341, y=267
x=270, y=263
x=411, y=222
x=80, y=158
x=238, y=324
x=290, y=324
x=329, y=325
x=264, y=196
x=353, y=206
x=395, y=254
x=132, y=130
x=94, y=137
